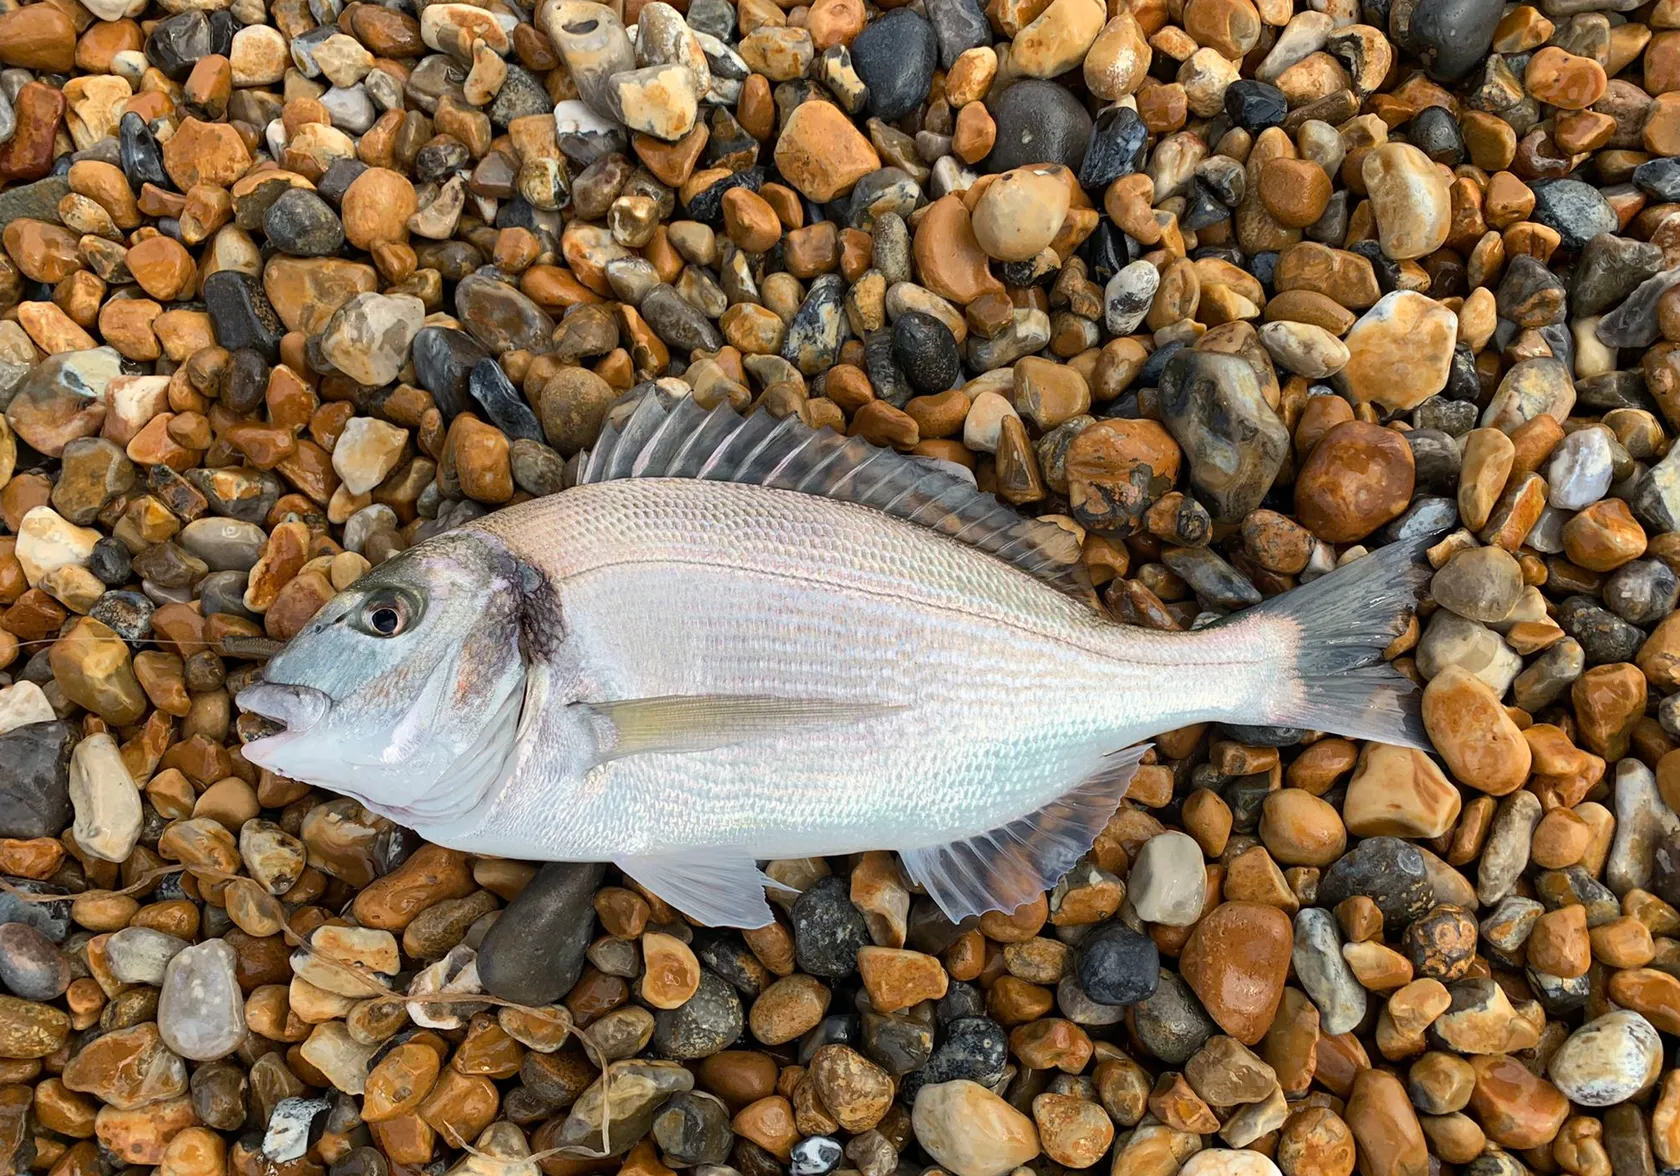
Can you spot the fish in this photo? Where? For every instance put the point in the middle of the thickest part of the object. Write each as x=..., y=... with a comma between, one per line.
x=739, y=638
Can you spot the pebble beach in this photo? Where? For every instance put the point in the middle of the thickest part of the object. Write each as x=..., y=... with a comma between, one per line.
x=1234, y=291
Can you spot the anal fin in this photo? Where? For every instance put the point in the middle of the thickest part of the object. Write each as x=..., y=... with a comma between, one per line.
x=1005, y=868
x=717, y=888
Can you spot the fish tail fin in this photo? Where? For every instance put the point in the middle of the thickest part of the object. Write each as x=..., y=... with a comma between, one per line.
x=1329, y=637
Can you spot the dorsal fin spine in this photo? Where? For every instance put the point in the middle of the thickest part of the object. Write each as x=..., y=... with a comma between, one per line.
x=781, y=466
x=657, y=435
x=770, y=438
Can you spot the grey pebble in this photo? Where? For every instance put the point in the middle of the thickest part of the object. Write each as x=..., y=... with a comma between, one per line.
x=31, y=965
x=1325, y=975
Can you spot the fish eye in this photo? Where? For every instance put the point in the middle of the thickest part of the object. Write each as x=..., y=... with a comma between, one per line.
x=386, y=615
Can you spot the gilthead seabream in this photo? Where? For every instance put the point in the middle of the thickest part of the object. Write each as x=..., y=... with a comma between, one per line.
x=738, y=639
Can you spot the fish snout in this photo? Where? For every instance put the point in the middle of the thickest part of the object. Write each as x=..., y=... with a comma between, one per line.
x=295, y=708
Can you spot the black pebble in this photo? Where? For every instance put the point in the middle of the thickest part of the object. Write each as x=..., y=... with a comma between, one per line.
x=1172, y=1024
x=1463, y=382
x=1157, y=363
x=34, y=787
x=1118, y=147
x=692, y=1128
x=1435, y=133
x=128, y=614
x=958, y=25
x=926, y=351
x=1454, y=417
x=440, y=159
x=1387, y=270
x=1665, y=869
x=896, y=56
x=518, y=213
x=302, y=224
x=716, y=17
x=502, y=402
x=142, y=158
x=881, y=362
x=1642, y=592
x=1205, y=208
x=974, y=1048
x=705, y=1023
x=1255, y=105
x=726, y=955
x=338, y=178
x=897, y=1043
x=707, y=205
x=1451, y=37
x=961, y=999
x=1022, y=274
x=1118, y=966
x=828, y=930
x=1425, y=516
x=1436, y=458
x=1659, y=178
x=242, y=313
x=1265, y=736
x=178, y=42
x=521, y=96
x=1386, y=870
x=1605, y=638
x=1038, y=122
x=1578, y=211
x=444, y=360
x=1608, y=270
x=1107, y=251
x=834, y=1029
x=535, y=952
x=222, y=29
x=110, y=562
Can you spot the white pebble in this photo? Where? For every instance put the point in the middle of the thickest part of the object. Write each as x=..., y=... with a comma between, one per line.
x=23, y=703
x=47, y=541
x=106, y=802
x=1168, y=882
x=201, y=1010
x=1608, y=1060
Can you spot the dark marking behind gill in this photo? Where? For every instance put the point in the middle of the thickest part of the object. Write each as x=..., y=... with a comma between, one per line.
x=541, y=627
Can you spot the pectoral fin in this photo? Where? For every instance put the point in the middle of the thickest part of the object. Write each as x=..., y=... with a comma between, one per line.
x=701, y=722
x=1007, y=867
x=718, y=888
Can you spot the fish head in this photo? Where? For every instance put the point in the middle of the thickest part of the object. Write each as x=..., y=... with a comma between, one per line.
x=404, y=691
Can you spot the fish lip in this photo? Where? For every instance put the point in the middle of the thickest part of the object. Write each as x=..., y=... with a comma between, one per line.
x=297, y=708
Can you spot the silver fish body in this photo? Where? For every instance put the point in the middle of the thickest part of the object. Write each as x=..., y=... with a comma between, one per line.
x=993, y=690
x=686, y=675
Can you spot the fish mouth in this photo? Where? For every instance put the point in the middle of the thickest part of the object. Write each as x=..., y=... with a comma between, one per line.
x=295, y=709
x=289, y=712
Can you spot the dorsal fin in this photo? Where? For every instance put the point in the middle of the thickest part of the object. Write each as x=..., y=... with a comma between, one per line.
x=649, y=435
